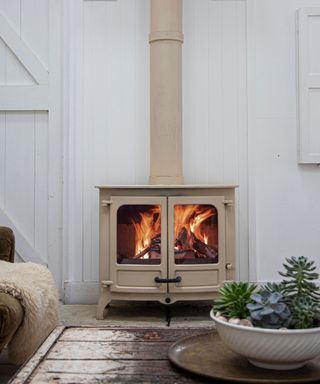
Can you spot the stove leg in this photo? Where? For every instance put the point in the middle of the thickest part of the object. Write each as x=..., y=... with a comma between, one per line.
x=103, y=302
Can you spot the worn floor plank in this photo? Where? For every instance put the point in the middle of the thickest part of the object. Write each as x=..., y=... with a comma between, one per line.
x=119, y=335
x=125, y=367
x=31, y=365
x=107, y=355
x=101, y=350
x=75, y=378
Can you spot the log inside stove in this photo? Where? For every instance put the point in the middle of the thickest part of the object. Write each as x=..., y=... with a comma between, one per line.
x=185, y=251
x=194, y=248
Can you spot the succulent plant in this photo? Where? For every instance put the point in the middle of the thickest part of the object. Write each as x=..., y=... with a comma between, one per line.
x=305, y=312
x=300, y=277
x=300, y=292
x=269, y=311
x=292, y=303
x=234, y=299
x=274, y=287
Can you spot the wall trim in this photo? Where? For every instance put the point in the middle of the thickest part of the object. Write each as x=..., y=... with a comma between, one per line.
x=81, y=292
x=73, y=139
x=55, y=140
x=251, y=71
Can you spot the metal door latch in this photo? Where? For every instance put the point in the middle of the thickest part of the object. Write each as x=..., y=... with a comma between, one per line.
x=177, y=279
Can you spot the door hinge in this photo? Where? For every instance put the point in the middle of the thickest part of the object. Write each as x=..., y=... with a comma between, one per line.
x=105, y=203
x=106, y=283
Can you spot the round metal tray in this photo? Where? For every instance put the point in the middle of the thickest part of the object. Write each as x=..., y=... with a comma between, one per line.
x=206, y=355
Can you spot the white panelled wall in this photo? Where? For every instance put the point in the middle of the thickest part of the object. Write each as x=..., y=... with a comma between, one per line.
x=239, y=126
x=287, y=204
x=215, y=103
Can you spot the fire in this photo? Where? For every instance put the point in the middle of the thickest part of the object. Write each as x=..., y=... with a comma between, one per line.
x=190, y=217
x=190, y=233
x=148, y=228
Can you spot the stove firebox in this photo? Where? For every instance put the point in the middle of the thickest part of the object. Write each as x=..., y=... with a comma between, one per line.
x=165, y=243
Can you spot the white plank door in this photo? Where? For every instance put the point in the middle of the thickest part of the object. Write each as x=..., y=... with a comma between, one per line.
x=30, y=128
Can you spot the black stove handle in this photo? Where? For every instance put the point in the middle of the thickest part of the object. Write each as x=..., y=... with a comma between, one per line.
x=177, y=279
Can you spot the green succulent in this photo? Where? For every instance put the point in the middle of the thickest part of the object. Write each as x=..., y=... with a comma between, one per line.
x=293, y=303
x=274, y=287
x=269, y=311
x=234, y=299
x=305, y=312
x=300, y=292
x=299, y=278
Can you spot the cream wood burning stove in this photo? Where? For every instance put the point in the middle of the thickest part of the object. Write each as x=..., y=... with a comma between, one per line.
x=165, y=243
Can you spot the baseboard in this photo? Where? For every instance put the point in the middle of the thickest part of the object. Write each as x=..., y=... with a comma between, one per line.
x=81, y=292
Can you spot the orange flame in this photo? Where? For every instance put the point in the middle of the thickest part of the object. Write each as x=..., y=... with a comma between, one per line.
x=190, y=217
x=187, y=218
x=147, y=229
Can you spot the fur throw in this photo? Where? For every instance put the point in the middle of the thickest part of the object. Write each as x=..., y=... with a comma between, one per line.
x=33, y=285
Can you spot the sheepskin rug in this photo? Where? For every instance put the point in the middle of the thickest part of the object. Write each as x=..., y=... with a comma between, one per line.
x=33, y=285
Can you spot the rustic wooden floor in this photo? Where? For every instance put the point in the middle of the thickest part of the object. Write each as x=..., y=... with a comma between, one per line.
x=128, y=314
x=93, y=354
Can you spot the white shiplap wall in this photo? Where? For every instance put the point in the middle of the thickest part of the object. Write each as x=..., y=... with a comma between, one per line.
x=108, y=119
x=285, y=196
x=215, y=103
x=240, y=126
x=30, y=128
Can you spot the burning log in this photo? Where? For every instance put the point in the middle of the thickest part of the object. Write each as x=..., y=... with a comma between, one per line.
x=155, y=254
x=153, y=249
x=181, y=240
x=187, y=245
x=142, y=253
x=156, y=240
x=180, y=254
x=204, y=249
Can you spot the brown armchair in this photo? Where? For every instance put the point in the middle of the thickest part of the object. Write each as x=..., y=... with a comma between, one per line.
x=7, y=244
x=11, y=311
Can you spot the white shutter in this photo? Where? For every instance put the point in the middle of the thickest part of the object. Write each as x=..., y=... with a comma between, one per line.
x=308, y=28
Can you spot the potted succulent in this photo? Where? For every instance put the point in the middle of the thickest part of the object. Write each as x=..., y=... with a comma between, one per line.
x=276, y=326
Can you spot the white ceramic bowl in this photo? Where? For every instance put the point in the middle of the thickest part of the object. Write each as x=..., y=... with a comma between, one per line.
x=271, y=348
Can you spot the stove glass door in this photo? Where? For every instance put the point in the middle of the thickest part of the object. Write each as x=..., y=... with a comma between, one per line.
x=138, y=227
x=196, y=242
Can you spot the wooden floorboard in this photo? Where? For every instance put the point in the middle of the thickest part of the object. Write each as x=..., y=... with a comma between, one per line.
x=130, y=334
x=107, y=355
x=64, y=378
x=102, y=350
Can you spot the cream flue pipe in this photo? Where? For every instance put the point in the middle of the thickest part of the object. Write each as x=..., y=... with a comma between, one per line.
x=166, y=40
